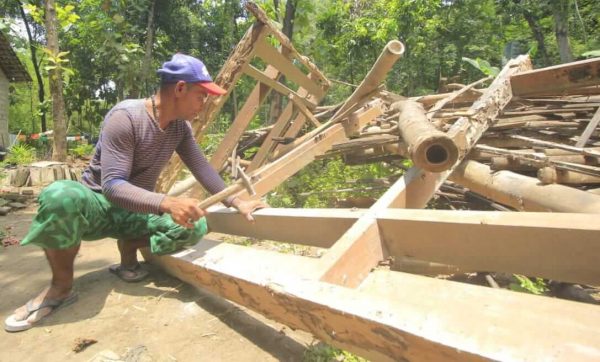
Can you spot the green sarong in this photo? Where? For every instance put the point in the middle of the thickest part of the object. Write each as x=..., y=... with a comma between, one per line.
x=70, y=212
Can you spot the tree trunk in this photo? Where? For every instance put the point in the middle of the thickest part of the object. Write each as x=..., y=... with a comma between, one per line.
x=148, y=47
x=59, y=153
x=537, y=34
x=36, y=67
x=561, y=29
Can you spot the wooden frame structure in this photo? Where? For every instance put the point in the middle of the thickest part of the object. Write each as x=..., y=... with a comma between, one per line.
x=344, y=297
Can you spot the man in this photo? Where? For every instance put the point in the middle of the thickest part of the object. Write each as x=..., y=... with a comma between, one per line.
x=116, y=197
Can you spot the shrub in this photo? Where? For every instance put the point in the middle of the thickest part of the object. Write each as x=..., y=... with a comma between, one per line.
x=82, y=150
x=20, y=154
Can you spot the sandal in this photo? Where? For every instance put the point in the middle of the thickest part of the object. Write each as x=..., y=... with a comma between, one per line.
x=131, y=274
x=11, y=324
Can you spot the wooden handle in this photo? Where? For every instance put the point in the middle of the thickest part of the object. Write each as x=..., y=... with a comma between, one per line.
x=218, y=197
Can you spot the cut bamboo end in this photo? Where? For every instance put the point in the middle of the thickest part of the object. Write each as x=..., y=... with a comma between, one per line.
x=395, y=47
x=435, y=154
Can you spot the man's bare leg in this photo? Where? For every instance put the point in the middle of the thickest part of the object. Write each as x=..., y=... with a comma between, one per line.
x=61, y=263
x=128, y=250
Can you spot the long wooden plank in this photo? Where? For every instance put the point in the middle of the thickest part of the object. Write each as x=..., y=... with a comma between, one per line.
x=557, y=79
x=396, y=316
x=498, y=324
x=317, y=308
x=564, y=247
x=313, y=227
x=270, y=55
x=273, y=174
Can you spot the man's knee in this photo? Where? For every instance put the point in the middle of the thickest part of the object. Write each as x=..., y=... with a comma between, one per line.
x=64, y=197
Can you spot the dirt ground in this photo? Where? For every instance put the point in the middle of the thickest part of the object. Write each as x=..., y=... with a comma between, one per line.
x=159, y=319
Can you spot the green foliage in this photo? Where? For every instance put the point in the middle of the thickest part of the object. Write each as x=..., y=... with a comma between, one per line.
x=82, y=150
x=104, y=45
x=483, y=65
x=20, y=154
x=313, y=185
x=591, y=54
x=325, y=353
x=534, y=286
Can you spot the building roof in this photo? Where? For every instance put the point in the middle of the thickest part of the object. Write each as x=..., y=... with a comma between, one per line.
x=10, y=63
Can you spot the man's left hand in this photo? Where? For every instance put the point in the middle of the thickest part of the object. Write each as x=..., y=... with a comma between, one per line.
x=247, y=207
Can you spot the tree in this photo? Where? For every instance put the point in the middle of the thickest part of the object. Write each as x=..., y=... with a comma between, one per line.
x=561, y=28
x=59, y=152
x=36, y=66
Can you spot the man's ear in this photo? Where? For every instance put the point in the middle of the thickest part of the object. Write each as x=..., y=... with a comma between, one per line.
x=180, y=88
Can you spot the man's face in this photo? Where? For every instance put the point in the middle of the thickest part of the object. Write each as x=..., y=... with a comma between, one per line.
x=190, y=98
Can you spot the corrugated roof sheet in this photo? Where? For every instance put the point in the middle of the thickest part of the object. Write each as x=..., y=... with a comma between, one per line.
x=10, y=63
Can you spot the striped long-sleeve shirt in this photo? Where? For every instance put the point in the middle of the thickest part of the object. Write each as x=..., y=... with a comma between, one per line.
x=132, y=151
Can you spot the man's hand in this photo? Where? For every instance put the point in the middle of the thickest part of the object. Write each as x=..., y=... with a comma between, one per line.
x=183, y=210
x=247, y=207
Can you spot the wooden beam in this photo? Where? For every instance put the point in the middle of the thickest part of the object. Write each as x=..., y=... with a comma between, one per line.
x=567, y=246
x=313, y=227
x=271, y=56
x=557, y=79
x=263, y=78
x=497, y=324
x=393, y=316
x=261, y=16
x=363, y=116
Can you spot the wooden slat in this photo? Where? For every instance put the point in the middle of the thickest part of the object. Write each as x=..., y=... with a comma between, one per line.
x=589, y=129
x=564, y=247
x=557, y=79
x=269, y=144
x=263, y=78
x=241, y=122
x=315, y=73
x=313, y=227
x=271, y=56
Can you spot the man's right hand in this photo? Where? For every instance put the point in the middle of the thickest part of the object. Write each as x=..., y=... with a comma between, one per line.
x=183, y=210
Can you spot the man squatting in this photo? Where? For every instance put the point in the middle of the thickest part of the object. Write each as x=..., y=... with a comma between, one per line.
x=116, y=197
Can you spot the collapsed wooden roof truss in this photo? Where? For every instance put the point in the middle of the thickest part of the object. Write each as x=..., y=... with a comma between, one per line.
x=343, y=298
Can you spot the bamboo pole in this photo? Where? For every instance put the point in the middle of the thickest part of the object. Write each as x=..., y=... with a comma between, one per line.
x=523, y=193
x=428, y=148
x=550, y=175
x=516, y=164
x=390, y=54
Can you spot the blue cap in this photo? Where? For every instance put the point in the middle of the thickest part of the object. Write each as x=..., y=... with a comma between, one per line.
x=188, y=69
